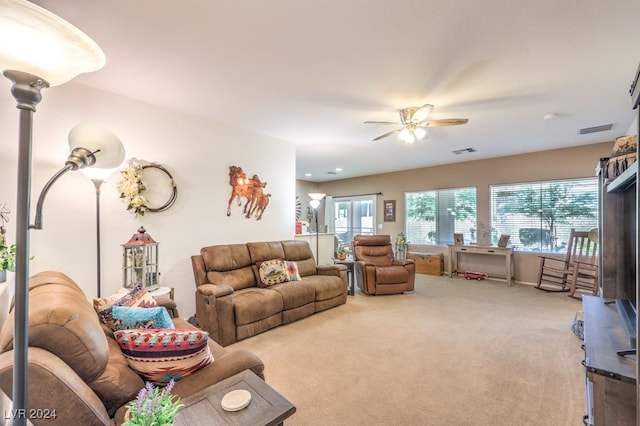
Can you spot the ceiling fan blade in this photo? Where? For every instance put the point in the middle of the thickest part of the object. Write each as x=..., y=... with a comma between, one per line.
x=387, y=134
x=422, y=113
x=445, y=122
x=383, y=122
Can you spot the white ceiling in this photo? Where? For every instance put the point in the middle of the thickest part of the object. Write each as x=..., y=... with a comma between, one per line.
x=313, y=72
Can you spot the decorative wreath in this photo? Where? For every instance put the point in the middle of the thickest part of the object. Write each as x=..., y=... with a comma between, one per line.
x=131, y=188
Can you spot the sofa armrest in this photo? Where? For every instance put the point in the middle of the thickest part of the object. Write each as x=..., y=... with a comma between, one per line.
x=401, y=262
x=331, y=269
x=229, y=364
x=215, y=290
x=214, y=312
x=199, y=270
x=55, y=387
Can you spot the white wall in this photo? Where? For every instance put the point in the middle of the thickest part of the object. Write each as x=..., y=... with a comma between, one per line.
x=197, y=152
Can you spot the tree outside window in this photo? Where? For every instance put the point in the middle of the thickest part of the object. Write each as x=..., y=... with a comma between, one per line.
x=539, y=215
x=432, y=217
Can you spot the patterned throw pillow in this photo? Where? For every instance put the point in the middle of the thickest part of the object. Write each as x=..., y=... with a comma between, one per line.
x=272, y=272
x=292, y=271
x=161, y=355
x=137, y=296
x=126, y=318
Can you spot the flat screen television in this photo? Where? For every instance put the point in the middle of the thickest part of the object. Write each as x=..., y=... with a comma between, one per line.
x=626, y=297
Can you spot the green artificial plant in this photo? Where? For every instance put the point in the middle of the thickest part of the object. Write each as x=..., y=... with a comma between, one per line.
x=153, y=406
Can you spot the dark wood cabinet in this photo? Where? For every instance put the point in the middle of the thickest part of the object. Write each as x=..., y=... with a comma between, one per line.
x=610, y=320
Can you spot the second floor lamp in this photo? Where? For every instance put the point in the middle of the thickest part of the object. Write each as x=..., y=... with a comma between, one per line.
x=316, y=197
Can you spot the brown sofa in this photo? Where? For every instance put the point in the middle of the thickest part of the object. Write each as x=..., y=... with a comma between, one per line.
x=378, y=271
x=230, y=304
x=76, y=367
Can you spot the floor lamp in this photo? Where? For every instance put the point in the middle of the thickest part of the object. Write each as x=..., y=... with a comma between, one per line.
x=40, y=50
x=316, y=197
x=93, y=137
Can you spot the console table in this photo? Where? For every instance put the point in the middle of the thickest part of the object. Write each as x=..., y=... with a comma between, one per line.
x=456, y=249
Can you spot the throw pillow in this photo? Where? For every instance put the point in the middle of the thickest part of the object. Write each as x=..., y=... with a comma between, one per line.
x=292, y=271
x=161, y=355
x=125, y=318
x=135, y=296
x=272, y=272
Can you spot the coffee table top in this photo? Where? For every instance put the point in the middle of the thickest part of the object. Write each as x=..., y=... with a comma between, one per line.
x=267, y=407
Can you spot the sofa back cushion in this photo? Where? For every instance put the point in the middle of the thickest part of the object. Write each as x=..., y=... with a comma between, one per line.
x=229, y=264
x=63, y=322
x=300, y=252
x=375, y=249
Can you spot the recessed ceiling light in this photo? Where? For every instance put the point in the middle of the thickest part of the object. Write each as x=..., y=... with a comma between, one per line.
x=338, y=169
x=308, y=174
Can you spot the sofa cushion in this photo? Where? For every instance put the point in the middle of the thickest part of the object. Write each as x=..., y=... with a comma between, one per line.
x=63, y=322
x=295, y=294
x=137, y=296
x=229, y=265
x=272, y=272
x=125, y=317
x=392, y=275
x=292, y=270
x=326, y=286
x=164, y=354
x=118, y=383
x=262, y=251
x=255, y=304
x=300, y=252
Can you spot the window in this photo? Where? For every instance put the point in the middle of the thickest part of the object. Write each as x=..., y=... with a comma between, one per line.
x=353, y=216
x=432, y=217
x=539, y=215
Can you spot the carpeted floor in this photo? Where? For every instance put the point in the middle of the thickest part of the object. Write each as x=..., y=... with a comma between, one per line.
x=454, y=352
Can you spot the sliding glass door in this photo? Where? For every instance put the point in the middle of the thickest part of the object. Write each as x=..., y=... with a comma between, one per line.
x=353, y=216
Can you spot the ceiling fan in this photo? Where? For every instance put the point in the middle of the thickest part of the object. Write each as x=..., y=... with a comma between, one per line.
x=413, y=121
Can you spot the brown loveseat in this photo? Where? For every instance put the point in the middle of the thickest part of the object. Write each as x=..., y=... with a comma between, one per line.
x=77, y=369
x=231, y=305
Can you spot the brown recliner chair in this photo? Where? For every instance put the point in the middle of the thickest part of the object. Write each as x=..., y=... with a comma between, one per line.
x=377, y=270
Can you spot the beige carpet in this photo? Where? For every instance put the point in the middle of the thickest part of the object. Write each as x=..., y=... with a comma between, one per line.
x=454, y=352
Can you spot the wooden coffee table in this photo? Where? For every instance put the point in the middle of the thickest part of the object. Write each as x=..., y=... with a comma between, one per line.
x=267, y=407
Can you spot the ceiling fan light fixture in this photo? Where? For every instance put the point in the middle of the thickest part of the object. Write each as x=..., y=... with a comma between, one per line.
x=406, y=135
x=421, y=113
x=420, y=133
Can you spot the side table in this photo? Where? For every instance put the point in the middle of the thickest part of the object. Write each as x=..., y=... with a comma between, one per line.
x=267, y=407
x=351, y=273
x=164, y=297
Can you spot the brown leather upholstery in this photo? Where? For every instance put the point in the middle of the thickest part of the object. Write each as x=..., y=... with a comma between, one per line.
x=76, y=368
x=231, y=306
x=378, y=272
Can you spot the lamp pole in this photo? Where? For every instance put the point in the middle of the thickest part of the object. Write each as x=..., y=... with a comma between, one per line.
x=98, y=183
x=315, y=203
x=26, y=90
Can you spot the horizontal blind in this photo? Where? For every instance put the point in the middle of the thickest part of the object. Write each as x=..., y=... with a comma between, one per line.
x=432, y=217
x=539, y=215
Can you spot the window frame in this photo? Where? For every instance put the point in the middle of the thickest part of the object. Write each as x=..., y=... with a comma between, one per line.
x=540, y=239
x=443, y=231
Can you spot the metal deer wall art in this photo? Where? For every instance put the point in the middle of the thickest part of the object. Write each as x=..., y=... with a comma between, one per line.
x=252, y=189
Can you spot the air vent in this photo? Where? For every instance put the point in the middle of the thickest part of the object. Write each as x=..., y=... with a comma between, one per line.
x=596, y=129
x=332, y=173
x=463, y=151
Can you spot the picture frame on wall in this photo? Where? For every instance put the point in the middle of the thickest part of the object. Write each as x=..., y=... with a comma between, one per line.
x=390, y=210
x=458, y=239
x=504, y=240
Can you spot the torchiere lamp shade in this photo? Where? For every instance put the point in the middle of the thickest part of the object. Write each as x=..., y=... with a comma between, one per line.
x=110, y=151
x=40, y=43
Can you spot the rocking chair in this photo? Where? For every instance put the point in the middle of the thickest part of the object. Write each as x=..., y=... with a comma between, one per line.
x=578, y=270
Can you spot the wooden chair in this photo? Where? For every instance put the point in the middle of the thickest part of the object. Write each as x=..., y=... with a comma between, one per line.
x=578, y=270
